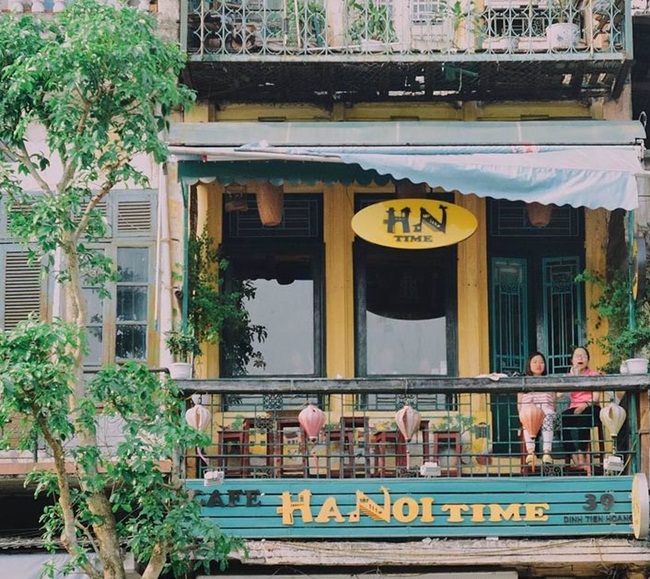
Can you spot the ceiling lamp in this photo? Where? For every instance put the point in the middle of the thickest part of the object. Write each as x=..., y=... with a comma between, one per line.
x=270, y=203
x=539, y=214
x=407, y=190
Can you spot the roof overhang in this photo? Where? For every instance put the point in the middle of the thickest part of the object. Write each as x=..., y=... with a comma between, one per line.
x=581, y=163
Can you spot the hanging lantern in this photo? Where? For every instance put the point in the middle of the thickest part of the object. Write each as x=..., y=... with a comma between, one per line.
x=407, y=190
x=311, y=419
x=539, y=215
x=531, y=417
x=198, y=417
x=613, y=417
x=270, y=203
x=408, y=421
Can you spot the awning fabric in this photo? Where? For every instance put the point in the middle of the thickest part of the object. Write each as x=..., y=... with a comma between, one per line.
x=581, y=163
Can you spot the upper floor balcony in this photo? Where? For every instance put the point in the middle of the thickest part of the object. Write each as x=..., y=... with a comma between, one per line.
x=298, y=50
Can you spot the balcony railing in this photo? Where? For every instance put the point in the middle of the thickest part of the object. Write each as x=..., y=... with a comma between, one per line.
x=468, y=428
x=405, y=30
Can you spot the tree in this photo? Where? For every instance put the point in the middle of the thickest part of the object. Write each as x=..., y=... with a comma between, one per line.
x=99, y=84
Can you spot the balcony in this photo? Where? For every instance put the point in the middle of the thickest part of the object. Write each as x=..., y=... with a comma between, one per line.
x=422, y=49
x=468, y=428
x=463, y=473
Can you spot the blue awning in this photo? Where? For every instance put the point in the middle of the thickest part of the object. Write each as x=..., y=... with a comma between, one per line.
x=580, y=163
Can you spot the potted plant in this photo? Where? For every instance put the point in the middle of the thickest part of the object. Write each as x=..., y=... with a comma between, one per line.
x=468, y=25
x=371, y=25
x=183, y=345
x=563, y=33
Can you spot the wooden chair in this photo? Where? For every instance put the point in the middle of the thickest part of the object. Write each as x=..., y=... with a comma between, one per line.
x=446, y=444
x=354, y=429
x=234, y=450
x=287, y=435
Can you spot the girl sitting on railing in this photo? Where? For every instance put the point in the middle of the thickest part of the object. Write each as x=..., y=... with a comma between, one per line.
x=536, y=366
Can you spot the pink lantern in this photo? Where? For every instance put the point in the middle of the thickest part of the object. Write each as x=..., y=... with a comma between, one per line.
x=408, y=421
x=531, y=417
x=311, y=419
x=198, y=417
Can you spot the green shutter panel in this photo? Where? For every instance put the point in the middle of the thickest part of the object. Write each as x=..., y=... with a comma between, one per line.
x=563, y=311
x=509, y=337
x=22, y=288
x=508, y=314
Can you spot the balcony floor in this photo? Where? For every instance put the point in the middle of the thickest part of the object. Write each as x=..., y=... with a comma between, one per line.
x=458, y=77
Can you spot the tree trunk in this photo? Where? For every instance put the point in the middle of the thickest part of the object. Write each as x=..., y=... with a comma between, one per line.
x=110, y=553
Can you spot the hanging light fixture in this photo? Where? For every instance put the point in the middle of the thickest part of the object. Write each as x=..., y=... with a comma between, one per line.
x=407, y=190
x=270, y=203
x=235, y=198
x=539, y=214
x=408, y=421
x=613, y=416
x=198, y=416
x=311, y=419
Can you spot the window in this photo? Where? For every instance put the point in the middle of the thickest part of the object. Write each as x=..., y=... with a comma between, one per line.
x=284, y=265
x=405, y=308
x=116, y=327
x=132, y=303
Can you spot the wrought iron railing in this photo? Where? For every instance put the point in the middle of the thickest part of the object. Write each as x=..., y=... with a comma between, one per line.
x=467, y=427
x=405, y=29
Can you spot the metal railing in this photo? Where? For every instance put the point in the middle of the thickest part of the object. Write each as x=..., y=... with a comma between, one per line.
x=467, y=427
x=405, y=29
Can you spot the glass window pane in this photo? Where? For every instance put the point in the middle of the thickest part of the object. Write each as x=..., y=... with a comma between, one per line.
x=133, y=264
x=131, y=303
x=405, y=312
x=406, y=346
x=287, y=312
x=95, y=337
x=131, y=342
x=284, y=305
x=95, y=306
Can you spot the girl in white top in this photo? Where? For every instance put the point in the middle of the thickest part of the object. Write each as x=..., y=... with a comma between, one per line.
x=536, y=366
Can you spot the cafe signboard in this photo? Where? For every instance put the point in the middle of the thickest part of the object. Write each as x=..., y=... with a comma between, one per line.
x=414, y=223
x=421, y=507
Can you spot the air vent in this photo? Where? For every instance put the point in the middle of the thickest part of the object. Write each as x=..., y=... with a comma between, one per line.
x=22, y=289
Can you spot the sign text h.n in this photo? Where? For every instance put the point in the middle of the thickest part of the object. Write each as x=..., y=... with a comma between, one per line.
x=414, y=223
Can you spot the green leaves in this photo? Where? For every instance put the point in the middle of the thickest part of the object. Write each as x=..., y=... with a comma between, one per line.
x=623, y=340
x=100, y=81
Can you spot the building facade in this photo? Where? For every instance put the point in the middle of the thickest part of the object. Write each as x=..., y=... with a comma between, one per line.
x=412, y=189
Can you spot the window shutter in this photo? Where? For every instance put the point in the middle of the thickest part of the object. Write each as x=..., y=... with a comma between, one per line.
x=22, y=289
x=134, y=215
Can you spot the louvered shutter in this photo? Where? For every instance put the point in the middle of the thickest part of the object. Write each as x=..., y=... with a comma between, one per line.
x=22, y=288
x=135, y=213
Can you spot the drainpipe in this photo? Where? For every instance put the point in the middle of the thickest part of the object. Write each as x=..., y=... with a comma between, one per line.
x=163, y=288
x=631, y=268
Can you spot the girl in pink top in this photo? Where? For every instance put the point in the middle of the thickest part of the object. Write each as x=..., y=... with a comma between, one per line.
x=536, y=366
x=582, y=414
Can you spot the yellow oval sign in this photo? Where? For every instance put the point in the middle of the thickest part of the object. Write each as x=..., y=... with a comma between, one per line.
x=414, y=223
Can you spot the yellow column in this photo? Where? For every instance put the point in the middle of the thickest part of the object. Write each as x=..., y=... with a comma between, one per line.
x=473, y=319
x=596, y=235
x=338, y=209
